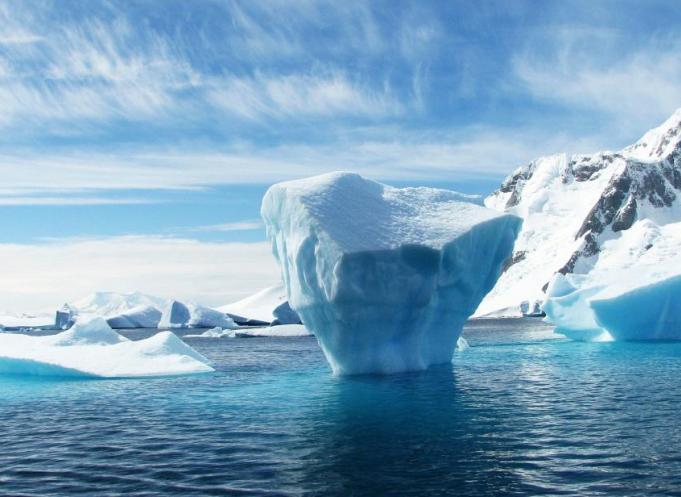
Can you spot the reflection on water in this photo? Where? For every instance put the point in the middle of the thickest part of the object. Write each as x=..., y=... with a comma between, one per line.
x=519, y=413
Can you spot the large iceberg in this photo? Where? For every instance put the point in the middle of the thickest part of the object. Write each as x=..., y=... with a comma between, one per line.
x=179, y=315
x=384, y=277
x=92, y=348
x=639, y=304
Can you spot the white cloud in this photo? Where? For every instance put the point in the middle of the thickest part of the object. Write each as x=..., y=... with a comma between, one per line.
x=478, y=152
x=635, y=89
x=42, y=276
x=301, y=95
x=250, y=225
x=18, y=200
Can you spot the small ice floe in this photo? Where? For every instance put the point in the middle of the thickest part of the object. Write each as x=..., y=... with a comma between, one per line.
x=92, y=349
x=216, y=332
x=284, y=330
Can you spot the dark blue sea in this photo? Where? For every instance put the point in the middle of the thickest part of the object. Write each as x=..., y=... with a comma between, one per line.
x=518, y=413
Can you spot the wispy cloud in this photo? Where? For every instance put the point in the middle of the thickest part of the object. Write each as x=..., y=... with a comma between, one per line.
x=295, y=96
x=211, y=273
x=477, y=152
x=254, y=224
x=576, y=69
x=71, y=200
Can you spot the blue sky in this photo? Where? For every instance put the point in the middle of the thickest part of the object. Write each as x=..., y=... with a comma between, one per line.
x=162, y=122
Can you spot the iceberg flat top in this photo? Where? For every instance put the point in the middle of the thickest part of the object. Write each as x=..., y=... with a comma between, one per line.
x=93, y=349
x=376, y=216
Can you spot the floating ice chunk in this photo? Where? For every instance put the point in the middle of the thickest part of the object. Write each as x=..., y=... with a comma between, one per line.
x=264, y=307
x=637, y=304
x=284, y=330
x=216, y=332
x=462, y=344
x=384, y=277
x=649, y=312
x=175, y=315
x=567, y=306
x=179, y=315
x=94, y=349
x=143, y=316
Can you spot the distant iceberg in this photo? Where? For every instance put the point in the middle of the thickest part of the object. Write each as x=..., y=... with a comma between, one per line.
x=121, y=310
x=281, y=331
x=93, y=349
x=268, y=306
x=638, y=304
x=284, y=330
x=179, y=315
x=384, y=277
x=143, y=316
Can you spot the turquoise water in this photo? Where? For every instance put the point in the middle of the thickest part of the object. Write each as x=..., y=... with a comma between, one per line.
x=519, y=413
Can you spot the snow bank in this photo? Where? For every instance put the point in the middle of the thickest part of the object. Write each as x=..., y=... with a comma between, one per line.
x=93, y=349
x=384, y=277
x=179, y=315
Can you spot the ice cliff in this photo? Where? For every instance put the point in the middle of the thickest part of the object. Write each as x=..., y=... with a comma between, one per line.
x=384, y=277
x=584, y=214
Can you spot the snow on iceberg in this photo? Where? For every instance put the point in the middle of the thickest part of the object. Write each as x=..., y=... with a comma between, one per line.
x=179, y=315
x=384, y=277
x=264, y=307
x=93, y=349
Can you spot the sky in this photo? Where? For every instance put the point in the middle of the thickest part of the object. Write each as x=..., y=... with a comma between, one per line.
x=137, y=137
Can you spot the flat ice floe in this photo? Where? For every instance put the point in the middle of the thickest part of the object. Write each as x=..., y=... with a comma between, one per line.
x=284, y=330
x=93, y=349
x=384, y=277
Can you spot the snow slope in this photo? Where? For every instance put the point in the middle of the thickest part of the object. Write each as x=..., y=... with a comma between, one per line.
x=384, y=277
x=265, y=306
x=585, y=213
x=93, y=349
x=113, y=303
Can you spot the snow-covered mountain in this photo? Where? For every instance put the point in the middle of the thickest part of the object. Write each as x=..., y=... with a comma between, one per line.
x=114, y=303
x=585, y=213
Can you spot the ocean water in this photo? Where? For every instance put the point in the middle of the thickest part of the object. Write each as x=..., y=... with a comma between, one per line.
x=518, y=413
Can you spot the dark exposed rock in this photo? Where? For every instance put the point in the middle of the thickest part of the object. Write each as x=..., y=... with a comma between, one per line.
x=514, y=259
x=625, y=216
